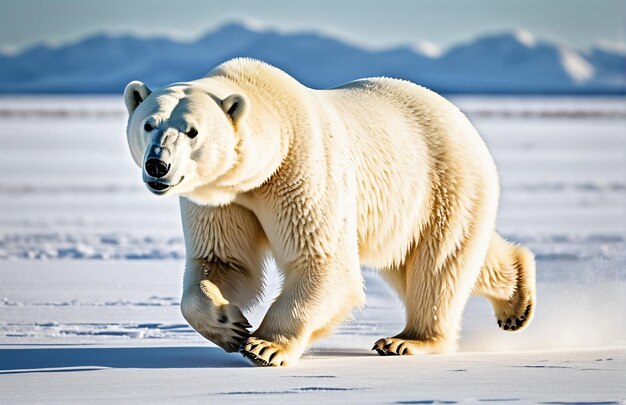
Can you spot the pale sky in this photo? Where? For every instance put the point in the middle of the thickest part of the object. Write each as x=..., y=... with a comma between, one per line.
x=578, y=23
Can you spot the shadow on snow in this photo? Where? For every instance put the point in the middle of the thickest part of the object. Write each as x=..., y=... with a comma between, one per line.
x=13, y=361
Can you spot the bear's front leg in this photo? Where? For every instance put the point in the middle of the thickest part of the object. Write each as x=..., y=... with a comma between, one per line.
x=309, y=213
x=225, y=250
x=206, y=309
x=319, y=291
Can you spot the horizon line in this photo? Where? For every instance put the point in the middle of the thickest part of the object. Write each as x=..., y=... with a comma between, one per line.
x=422, y=46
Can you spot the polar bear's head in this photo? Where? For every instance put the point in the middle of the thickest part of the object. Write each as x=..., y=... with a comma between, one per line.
x=183, y=138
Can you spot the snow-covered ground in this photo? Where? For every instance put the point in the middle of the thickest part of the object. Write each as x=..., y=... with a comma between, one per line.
x=91, y=266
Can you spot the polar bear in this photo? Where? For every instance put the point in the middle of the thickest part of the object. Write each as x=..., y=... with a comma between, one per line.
x=378, y=172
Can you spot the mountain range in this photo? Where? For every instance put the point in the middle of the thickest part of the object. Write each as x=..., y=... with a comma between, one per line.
x=502, y=63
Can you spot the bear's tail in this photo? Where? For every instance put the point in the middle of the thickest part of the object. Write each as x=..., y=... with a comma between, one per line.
x=507, y=279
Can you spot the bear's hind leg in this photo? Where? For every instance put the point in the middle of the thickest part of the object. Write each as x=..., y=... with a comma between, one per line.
x=507, y=279
x=435, y=294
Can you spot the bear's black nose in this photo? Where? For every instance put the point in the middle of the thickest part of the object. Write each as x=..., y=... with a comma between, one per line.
x=157, y=168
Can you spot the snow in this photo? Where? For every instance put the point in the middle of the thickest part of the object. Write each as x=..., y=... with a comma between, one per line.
x=611, y=46
x=525, y=37
x=91, y=271
x=575, y=65
x=427, y=48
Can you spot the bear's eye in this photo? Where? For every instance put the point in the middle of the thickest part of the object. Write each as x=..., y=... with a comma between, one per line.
x=192, y=133
x=147, y=127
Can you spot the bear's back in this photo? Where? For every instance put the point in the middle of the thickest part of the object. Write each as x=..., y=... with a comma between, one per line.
x=405, y=140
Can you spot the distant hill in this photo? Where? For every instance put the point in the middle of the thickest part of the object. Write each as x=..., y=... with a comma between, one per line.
x=505, y=63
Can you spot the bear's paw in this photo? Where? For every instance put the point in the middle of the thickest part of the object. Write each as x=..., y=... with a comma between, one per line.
x=392, y=346
x=263, y=353
x=231, y=328
x=513, y=320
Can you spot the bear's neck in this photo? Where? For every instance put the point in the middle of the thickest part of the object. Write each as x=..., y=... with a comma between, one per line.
x=265, y=137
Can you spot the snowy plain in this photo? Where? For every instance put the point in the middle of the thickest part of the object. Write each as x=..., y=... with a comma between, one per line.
x=91, y=267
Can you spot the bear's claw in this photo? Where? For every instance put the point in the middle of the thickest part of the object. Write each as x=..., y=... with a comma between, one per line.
x=517, y=322
x=393, y=346
x=261, y=352
x=231, y=328
x=402, y=345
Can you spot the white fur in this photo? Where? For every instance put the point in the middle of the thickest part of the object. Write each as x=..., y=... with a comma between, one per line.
x=378, y=172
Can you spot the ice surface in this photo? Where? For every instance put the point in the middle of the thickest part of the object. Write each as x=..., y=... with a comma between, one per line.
x=91, y=267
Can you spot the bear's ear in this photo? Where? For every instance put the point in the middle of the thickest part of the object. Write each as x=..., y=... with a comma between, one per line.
x=235, y=106
x=134, y=94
